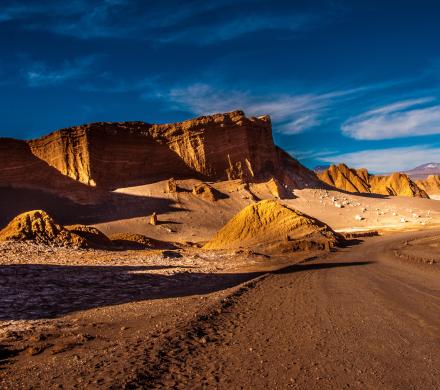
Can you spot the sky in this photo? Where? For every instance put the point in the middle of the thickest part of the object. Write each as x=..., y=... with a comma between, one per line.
x=344, y=81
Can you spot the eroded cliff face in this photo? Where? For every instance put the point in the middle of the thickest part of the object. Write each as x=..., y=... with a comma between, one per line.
x=359, y=180
x=431, y=185
x=217, y=147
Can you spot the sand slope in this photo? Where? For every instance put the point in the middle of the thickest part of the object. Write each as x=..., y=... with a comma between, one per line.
x=268, y=222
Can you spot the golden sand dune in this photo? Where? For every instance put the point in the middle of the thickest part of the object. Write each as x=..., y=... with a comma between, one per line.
x=268, y=223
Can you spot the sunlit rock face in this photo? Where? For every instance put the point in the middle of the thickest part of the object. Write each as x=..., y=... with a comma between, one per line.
x=359, y=180
x=112, y=155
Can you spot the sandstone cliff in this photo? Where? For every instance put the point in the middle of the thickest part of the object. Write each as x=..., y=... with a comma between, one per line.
x=113, y=155
x=431, y=185
x=359, y=180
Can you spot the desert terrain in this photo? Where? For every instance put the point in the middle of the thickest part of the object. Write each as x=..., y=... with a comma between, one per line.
x=201, y=255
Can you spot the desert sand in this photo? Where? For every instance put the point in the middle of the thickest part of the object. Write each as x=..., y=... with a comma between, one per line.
x=203, y=257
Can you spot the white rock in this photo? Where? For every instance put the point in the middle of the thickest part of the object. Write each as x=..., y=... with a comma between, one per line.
x=358, y=218
x=403, y=220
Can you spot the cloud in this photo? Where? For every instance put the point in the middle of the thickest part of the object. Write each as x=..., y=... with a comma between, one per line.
x=205, y=34
x=407, y=118
x=291, y=113
x=200, y=22
x=387, y=160
x=39, y=74
x=312, y=154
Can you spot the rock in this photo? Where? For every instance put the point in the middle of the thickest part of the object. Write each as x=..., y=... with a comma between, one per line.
x=276, y=188
x=431, y=185
x=358, y=218
x=153, y=219
x=218, y=147
x=37, y=226
x=359, y=180
x=205, y=191
x=171, y=186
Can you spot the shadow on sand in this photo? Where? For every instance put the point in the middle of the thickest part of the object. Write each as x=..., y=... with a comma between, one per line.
x=114, y=206
x=35, y=291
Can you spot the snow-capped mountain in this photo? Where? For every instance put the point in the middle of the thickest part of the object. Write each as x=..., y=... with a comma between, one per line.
x=423, y=171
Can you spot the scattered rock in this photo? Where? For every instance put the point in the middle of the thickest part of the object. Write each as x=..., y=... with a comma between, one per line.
x=206, y=192
x=153, y=219
x=171, y=186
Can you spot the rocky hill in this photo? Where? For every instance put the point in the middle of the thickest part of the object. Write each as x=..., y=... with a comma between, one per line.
x=114, y=155
x=359, y=180
x=431, y=185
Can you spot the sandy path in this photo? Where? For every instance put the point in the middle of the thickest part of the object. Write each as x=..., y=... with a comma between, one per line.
x=359, y=318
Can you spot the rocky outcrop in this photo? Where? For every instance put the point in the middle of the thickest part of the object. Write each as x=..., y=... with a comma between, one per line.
x=431, y=185
x=270, y=225
x=21, y=168
x=114, y=155
x=359, y=180
x=37, y=226
x=206, y=192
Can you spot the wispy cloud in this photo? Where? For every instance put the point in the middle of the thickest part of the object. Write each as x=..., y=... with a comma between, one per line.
x=312, y=154
x=199, y=22
x=386, y=160
x=237, y=26
x=407, y=118
x=39, y=74
x=291, y=114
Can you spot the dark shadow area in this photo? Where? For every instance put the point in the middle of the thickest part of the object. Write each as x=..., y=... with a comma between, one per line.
x=6, y=354
x=320, y=266
x=349, y=242
x=113, y=206
x=35, y=291
x=167, y=222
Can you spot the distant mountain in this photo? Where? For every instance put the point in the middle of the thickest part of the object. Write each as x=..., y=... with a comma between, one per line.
x=423, y=171
x=321, y=168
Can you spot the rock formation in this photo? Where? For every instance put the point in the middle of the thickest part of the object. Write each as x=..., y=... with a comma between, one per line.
x=269, y=224
x=21, y=168
x=113, y=155
x=431, y=185
x=37, y=226
x=359, y=180
x=153, y=219
x=205, y=192
x=171, y=187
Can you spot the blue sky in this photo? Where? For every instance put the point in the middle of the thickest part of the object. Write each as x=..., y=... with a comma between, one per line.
x=344, y=81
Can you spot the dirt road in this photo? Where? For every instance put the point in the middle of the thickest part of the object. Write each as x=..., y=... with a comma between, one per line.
x=359, y=318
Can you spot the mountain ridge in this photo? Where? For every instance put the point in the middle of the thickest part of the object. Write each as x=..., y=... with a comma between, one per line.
x=361, y=181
